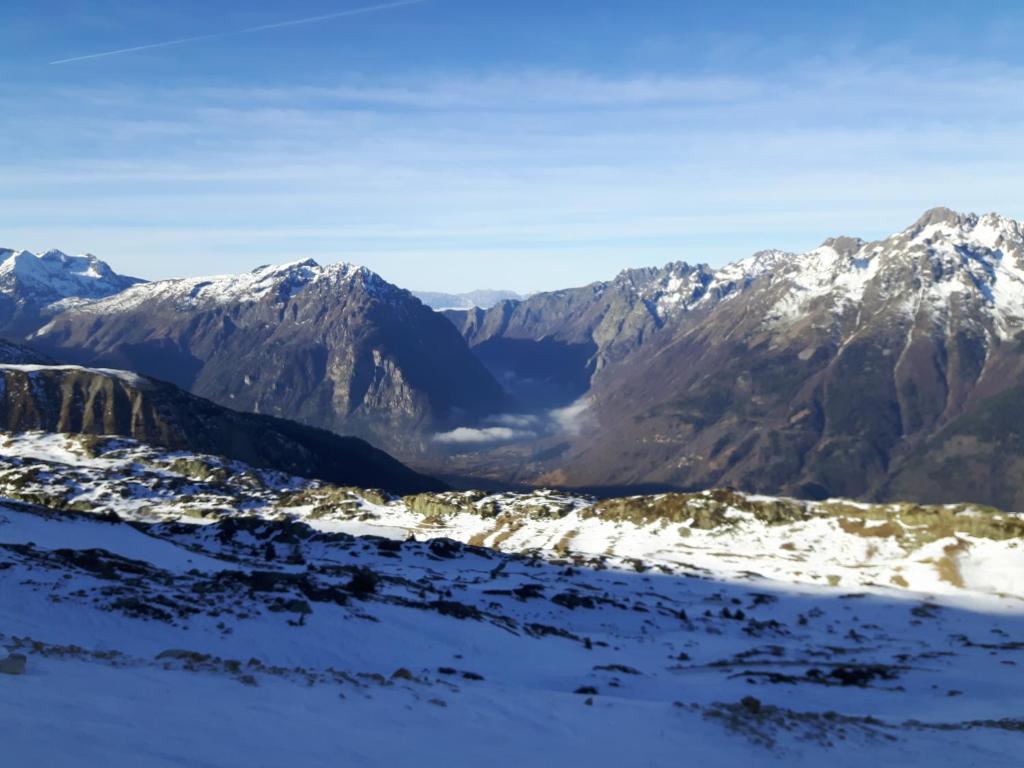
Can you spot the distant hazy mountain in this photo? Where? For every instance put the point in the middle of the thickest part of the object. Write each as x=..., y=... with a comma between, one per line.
x=886, y=370
x=336, y=347
x=88, y=401
x=33, y=287
x=483, y=299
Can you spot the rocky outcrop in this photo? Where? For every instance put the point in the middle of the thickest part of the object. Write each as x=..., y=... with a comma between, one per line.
x=107, y=402
x=13, y=664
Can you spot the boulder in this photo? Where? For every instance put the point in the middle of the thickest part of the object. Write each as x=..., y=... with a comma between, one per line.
x=13, y=664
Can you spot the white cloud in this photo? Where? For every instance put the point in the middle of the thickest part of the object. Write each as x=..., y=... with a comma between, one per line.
x=513, y=427
x=470, y=436
x=572, y=418
x=514, y=420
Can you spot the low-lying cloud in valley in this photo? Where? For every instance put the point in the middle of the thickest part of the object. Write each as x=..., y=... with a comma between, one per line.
x=474, y=436
x=518, y=427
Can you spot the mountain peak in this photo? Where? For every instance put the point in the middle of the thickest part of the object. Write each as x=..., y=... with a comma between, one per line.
x=991, y=231
x=843, y=245
x=53, y=276
x=942, y=215
x=290, y=266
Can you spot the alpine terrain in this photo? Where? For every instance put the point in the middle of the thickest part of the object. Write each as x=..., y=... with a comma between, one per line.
x=717, y=496
x=875, y=370
x=160, y=551
x=310, y=623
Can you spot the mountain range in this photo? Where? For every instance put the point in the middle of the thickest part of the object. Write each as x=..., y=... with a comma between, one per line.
x=159, y=549
x=874, y=370
x=878, y=370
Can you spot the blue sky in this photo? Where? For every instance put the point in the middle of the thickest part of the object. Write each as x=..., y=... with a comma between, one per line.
x=456, y=144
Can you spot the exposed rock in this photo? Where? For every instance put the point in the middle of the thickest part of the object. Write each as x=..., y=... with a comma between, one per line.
x=13, y=664
x=178, y=654
x=104, y=402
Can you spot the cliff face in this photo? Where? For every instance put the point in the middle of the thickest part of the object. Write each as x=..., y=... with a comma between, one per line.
x=108, y=402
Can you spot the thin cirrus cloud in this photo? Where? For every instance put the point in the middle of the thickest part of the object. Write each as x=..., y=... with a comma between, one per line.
x=235, y=32
x=524, y=180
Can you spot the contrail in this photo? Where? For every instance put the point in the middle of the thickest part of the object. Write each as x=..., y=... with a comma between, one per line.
x=275, y=25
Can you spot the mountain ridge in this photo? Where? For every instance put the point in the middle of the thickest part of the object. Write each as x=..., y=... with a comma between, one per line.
x=103, y=402
x=811, y=374
x=483, y=298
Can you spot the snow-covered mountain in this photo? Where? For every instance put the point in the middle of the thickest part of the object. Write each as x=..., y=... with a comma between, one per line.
x=276, y=282
x=855, y=369
x=945, y=268
x=313, y=623
x=945, y=262
x=333, y=346
x=858, y=369
x=33, y=286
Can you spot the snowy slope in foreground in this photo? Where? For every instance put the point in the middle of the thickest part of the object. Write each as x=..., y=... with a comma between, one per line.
x=269, y=635
x=953, y=549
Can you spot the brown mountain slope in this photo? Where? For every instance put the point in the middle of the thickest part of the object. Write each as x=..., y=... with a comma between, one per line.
x=826, y=375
